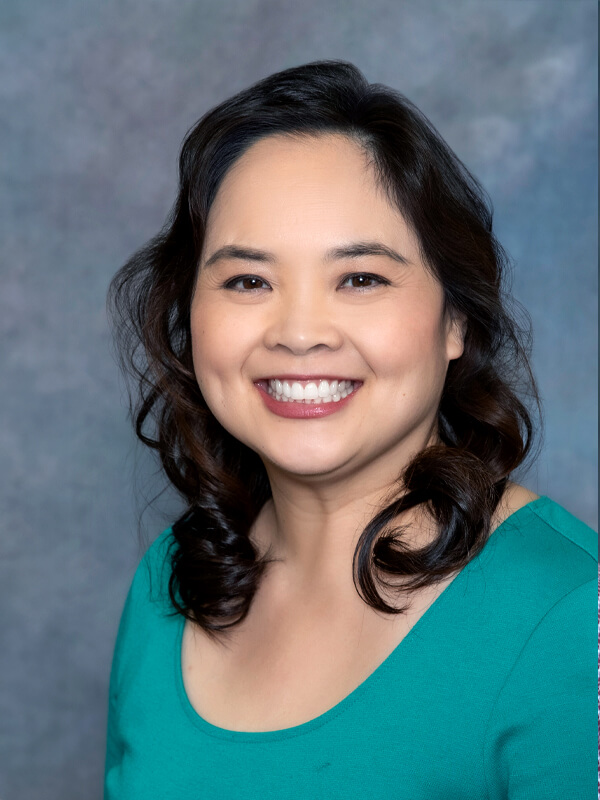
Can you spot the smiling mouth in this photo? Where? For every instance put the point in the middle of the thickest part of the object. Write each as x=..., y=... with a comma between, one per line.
x=313, y=392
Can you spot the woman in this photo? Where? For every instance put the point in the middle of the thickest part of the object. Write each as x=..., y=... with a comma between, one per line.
x=357, y=602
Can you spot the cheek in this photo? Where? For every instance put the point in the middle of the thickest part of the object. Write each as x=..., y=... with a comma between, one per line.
x=408, y=342
x=219, y=349
x=206, y=353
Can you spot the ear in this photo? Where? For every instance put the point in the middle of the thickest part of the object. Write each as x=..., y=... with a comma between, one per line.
x=456, y=328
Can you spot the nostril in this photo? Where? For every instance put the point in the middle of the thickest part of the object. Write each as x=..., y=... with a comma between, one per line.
x=299, y=332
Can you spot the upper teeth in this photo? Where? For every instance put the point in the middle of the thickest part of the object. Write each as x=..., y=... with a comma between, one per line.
x=321, y=392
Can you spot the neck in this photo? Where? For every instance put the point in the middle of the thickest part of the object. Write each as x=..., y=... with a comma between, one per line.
x=311, y=525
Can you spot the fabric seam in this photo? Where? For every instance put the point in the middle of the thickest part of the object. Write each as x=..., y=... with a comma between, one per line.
x=563, y=534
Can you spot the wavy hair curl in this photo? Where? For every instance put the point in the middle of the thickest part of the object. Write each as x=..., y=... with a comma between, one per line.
x=484, y=422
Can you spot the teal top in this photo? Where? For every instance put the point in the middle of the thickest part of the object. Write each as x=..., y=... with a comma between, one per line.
x=492, y=694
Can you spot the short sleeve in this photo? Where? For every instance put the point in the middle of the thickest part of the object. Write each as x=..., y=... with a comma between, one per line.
x=541, y=740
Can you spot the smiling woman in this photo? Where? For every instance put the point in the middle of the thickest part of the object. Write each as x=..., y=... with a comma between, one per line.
x=340, y=395
x=314, y=204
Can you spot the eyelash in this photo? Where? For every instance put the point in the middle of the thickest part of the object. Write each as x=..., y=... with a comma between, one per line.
x=230, y=284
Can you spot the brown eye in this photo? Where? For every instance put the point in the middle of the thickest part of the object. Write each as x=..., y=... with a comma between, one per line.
x=246, y=283
x=363, y=280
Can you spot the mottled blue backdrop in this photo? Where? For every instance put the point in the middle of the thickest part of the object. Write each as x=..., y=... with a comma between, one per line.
x=95, y=99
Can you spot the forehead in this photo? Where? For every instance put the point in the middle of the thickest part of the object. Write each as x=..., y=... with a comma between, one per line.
x=290, y=187
x=281, y=155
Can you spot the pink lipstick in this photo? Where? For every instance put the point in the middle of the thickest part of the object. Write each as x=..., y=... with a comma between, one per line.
x=302, y=409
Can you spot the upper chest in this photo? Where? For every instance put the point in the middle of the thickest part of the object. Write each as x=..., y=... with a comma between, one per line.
x=278, y=671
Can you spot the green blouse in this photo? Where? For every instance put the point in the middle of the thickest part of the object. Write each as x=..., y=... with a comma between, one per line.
x=492, y=694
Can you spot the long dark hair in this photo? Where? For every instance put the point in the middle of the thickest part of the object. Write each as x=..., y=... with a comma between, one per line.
x=485, y=426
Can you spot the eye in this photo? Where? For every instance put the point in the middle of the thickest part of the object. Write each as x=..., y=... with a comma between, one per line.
x=245, y=283
x=364, y=280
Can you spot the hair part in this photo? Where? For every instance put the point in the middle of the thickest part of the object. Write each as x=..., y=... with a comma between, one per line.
x=485, y=426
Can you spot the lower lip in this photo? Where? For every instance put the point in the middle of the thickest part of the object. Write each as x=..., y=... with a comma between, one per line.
x=293, y=410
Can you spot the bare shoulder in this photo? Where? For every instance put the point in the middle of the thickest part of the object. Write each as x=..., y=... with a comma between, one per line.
x=515, y=497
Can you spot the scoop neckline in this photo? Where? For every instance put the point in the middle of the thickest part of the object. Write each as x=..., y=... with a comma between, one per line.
x=346, y=702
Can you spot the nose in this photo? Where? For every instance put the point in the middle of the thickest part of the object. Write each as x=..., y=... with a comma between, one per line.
x=301, y=324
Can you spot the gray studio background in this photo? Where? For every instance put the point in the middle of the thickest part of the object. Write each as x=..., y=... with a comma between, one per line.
x=95, y=99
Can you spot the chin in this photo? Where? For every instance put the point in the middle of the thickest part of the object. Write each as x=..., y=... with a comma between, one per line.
x=305, y=467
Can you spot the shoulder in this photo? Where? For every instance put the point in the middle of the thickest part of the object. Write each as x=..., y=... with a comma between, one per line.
x=555, y=519
x=539, y=554
x=150, y=585
x=147, y=606
x=543, y=520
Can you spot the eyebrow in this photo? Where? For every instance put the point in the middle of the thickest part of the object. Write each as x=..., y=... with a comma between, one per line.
x=354, y=250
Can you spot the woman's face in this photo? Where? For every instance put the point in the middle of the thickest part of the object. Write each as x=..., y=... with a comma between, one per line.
x=309, y=276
